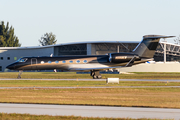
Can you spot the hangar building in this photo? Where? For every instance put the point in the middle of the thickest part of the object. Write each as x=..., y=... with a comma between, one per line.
x=9, y=55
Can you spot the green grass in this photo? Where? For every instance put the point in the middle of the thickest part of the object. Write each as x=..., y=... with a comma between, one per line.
x=127, y=97
x=73, y=75
x=5, y=116
x=67, y=83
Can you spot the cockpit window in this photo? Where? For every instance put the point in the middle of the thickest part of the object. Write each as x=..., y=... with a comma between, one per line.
x=22, y=60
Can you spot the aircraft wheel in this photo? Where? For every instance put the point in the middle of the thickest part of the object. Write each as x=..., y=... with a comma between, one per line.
x=19, y=77
x=99, y=76
x=94, y=77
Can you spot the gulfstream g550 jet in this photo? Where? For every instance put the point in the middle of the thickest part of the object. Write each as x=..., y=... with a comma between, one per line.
x=143, y=52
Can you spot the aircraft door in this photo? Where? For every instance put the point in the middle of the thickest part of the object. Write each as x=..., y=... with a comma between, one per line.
x=34, y=63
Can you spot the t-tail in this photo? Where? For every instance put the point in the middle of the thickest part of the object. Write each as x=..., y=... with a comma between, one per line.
x=147, y=47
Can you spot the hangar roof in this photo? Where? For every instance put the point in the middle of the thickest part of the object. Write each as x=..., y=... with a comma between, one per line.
x=71, y=43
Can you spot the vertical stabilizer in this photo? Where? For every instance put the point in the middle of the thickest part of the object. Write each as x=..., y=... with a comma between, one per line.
x=147, y=47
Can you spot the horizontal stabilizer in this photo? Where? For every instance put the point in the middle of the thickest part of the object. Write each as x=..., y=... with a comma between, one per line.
x=156, y=36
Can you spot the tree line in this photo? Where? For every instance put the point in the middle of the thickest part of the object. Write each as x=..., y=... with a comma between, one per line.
x=9, y=39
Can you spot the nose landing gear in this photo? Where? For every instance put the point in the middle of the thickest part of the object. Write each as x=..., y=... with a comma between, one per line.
x=19, y=75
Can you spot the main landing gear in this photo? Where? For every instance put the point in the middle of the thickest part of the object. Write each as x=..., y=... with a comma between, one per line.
x=95, y=74
x=19, y=75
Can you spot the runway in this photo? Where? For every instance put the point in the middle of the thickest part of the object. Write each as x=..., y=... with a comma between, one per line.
x=91, y=111
x=150, y=80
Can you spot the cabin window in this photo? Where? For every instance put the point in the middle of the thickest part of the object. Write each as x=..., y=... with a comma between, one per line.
x=71, y=61
x=85, y=61
x=8, y=58
x=78, y=61
x=49, y=62
x=56, y=61
x=42, y=62
x=63, y=61
x=1, y=58
x=0, y=68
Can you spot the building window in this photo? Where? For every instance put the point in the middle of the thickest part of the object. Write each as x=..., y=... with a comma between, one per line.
x=8, y=58
x=49, y=62
x=15, y=58
x=0, y=68
x=71, y=61
x=76, y=49
x=78, y=61
x=63, y=61
x=1, y=58
x=56, y=61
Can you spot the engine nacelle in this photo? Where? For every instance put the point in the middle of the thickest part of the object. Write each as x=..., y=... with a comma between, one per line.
x=121, y=57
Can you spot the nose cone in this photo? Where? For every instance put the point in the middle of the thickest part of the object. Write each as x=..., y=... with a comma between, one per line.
x=11, y=67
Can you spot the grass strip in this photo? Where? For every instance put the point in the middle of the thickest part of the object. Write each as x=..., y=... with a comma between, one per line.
x=127, y=97
x=67, y=83
x=73, y=75
x=13, y=116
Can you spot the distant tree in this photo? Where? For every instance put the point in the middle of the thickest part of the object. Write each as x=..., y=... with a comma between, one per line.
x=7, y=37
x=177, y=40
x=48, y=39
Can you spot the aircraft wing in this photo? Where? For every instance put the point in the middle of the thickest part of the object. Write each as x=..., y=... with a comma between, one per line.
x=96, y=68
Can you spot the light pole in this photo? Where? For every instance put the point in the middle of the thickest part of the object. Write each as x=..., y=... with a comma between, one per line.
x=118, y=49
x=164, y=50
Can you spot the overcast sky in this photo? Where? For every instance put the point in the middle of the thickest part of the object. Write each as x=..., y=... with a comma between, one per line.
x=91, y=20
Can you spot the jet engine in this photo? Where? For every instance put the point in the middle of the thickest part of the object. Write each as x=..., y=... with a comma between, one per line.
x=121, y=57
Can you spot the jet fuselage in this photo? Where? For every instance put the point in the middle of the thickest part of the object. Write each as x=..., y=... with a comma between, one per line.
x=74, y=63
